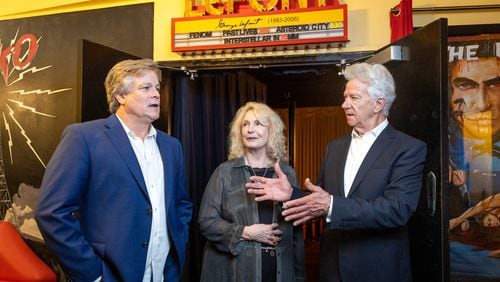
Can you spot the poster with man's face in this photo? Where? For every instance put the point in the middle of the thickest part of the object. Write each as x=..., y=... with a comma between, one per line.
x=474, y=156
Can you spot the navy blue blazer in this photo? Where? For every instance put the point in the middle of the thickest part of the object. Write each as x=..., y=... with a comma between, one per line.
x=94, y=211
x=367, y=239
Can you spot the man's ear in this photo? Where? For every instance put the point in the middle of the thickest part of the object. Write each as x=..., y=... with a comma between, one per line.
x=120, y=98
x=379, y=105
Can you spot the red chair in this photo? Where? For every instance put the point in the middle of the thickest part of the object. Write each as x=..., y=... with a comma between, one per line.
x=17, y=261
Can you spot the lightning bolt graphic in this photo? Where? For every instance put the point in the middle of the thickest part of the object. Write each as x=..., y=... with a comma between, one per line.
x=32, y=70
x=7, y=127
x=39, y=91
x=9, y=56
x=33, y=110
x=28, y=140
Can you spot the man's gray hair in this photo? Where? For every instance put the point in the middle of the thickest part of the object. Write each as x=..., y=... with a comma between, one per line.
x=379, y=80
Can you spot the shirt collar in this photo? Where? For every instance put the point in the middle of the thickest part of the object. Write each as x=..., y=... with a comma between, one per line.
x=374, y=132
x=152, y=131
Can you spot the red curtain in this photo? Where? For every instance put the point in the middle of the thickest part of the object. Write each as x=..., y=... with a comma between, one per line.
x=401, y=20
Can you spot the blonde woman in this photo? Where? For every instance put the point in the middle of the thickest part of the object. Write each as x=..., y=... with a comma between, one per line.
x=249, y=240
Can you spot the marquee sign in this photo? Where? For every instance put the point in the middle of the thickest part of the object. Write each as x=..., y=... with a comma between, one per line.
x=274, y=28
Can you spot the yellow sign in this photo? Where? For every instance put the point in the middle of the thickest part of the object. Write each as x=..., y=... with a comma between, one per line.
x=219, y=7
x=312, y=25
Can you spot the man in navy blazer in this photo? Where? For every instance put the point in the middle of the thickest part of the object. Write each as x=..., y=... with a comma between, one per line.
x=371, y=179
x=113, y=204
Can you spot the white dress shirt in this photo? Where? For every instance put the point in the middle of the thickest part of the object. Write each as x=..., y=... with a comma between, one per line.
x=359, y=147
x=148, y=155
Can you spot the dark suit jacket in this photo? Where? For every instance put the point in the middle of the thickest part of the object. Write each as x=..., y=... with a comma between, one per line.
x=367, y=239
x=94, y=211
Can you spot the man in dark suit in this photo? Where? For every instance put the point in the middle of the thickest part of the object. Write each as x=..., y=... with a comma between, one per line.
x=113, y=204
x=371, y=180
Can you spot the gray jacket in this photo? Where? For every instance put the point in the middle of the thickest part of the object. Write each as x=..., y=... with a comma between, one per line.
x=226, y=208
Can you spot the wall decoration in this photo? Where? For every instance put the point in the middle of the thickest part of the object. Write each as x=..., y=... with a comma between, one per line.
x=41, y=93
x=474, y=163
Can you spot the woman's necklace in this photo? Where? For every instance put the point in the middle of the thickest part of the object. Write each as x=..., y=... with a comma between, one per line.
x=253, y=171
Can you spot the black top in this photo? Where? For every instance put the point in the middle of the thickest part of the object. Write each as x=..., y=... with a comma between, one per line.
x=266, y=212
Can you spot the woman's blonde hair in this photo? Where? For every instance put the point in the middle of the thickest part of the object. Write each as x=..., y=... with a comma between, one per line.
x=276, y=149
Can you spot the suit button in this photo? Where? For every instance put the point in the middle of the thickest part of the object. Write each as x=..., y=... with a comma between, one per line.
x=144, y=244
x=149, y=212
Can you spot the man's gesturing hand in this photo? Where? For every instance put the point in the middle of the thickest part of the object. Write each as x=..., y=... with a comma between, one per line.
x=308, y=207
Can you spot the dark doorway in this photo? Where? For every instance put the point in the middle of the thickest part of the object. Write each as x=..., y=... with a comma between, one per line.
x=418, y=110
x=94, y=63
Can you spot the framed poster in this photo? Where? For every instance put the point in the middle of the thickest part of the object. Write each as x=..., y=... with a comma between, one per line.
x=474, y=156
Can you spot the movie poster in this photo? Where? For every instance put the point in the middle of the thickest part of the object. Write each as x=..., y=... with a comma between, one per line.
x=474, y=162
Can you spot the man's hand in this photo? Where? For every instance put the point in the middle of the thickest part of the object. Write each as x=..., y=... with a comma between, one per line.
x=262, y=233
x=276, y=189
x=308, y=207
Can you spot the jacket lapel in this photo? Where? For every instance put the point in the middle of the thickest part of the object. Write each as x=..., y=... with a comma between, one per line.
x=341, y=163
x=119, y=139
x=383, y=141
